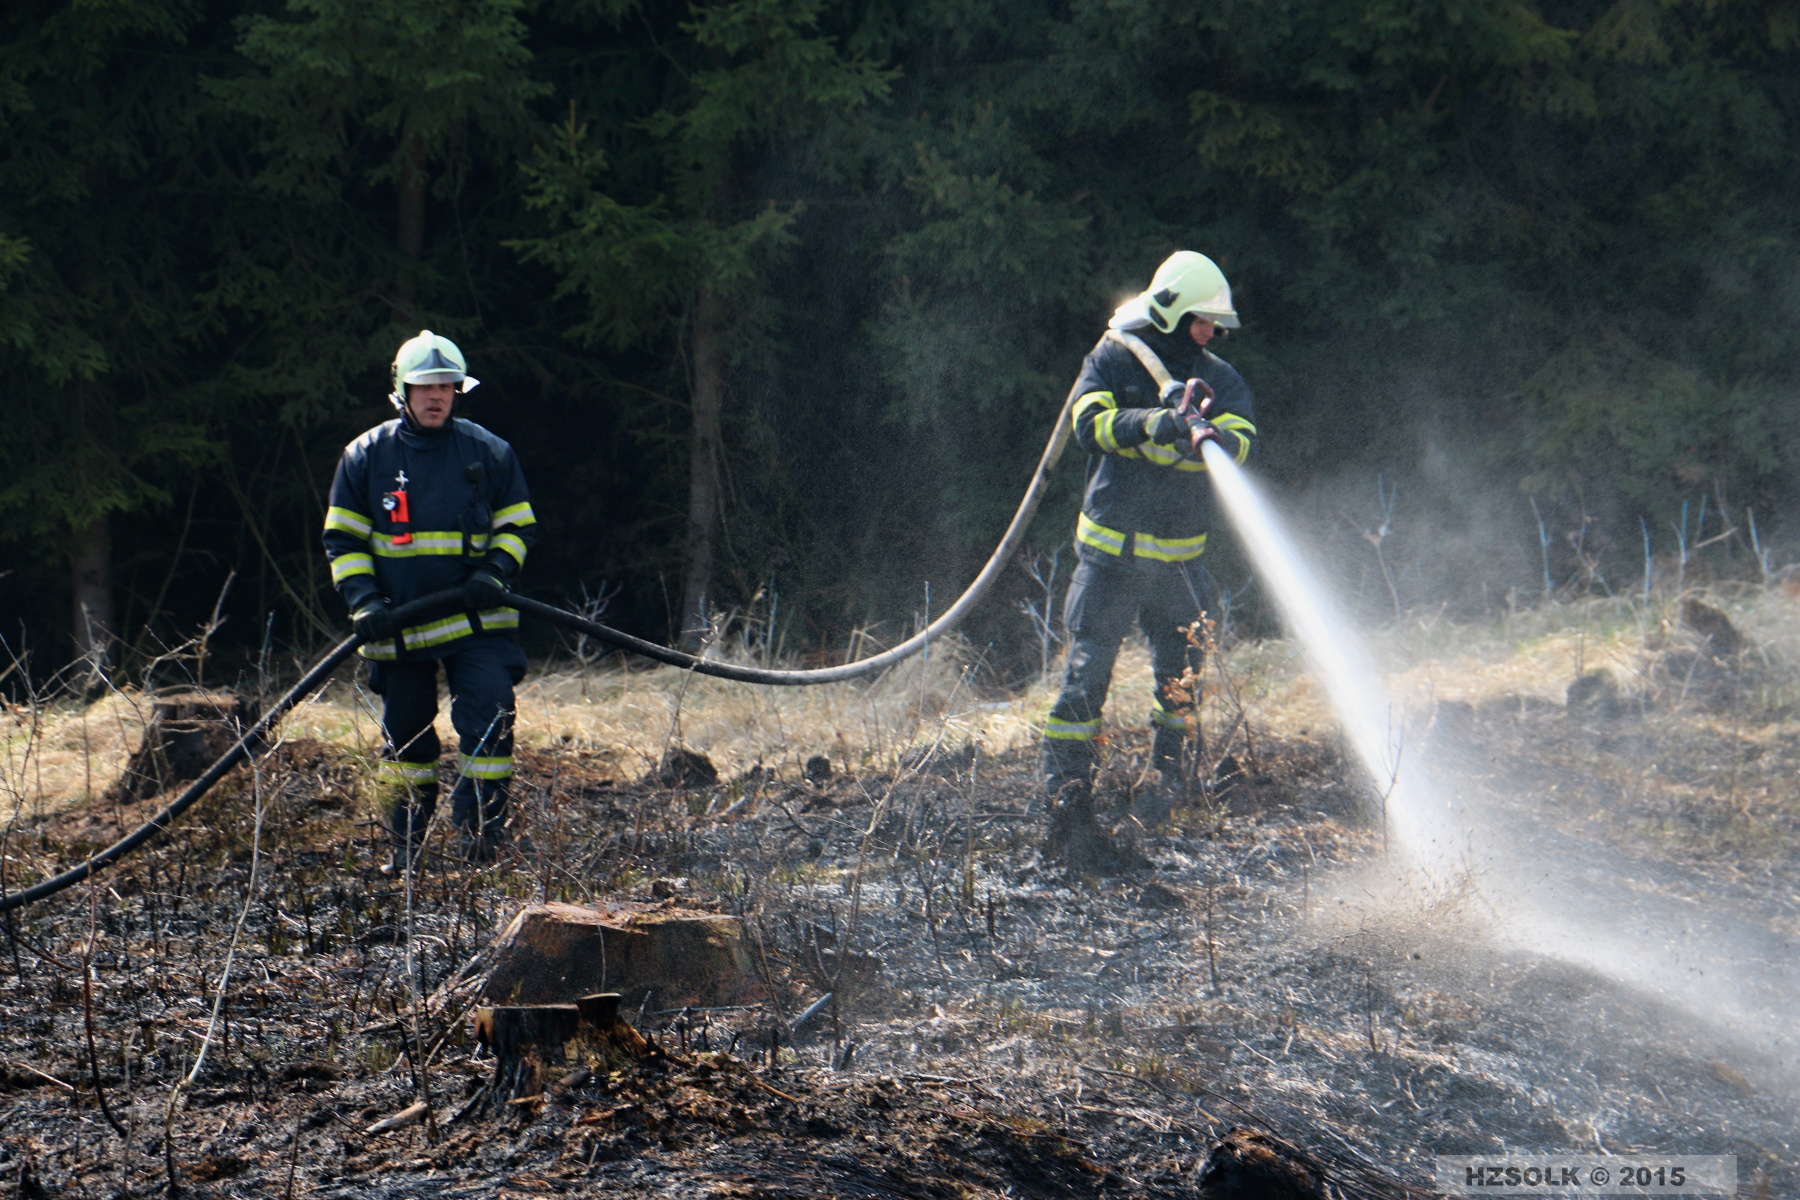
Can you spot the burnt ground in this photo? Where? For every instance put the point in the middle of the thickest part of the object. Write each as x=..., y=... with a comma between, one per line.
x=997, y=1027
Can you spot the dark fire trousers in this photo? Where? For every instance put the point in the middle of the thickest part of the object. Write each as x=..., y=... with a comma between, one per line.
x=1105, y=596
x=480, y=673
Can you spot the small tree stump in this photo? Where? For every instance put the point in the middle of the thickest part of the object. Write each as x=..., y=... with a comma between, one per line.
x=186, y=734
x=1721, y=638
x=557, y=953
x=524, y=1039
x=527, y=1039
x=684, y=768
x=1248, y=1164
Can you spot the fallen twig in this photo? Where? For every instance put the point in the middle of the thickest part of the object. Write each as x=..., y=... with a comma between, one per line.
x=44, y=1075
x=412, y=1114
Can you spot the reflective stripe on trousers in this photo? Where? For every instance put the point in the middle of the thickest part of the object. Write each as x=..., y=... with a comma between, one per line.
x=480, y=674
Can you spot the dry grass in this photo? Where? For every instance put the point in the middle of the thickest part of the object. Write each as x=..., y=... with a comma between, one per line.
x=1383, y=1023
x=63, y=754
x=1531, y=656
x=54, y=756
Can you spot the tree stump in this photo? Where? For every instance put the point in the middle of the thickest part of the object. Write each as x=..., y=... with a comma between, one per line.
x=1248, y=1164
x=1714, y=629
x=528, y=1039
x=557, y=953
x=524, y=1039
x=684, y=768
x=186, y=734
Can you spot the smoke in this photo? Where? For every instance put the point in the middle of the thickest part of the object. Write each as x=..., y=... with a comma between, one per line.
x=1545, y=891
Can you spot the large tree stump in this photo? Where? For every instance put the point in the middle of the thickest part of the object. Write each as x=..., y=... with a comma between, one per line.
x=186, y=734
x=557, y=953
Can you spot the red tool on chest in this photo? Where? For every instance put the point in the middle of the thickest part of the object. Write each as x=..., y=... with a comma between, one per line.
x=398, y=516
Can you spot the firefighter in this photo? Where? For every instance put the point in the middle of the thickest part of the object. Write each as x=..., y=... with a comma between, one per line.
x=422, y=503
x=1143, y=526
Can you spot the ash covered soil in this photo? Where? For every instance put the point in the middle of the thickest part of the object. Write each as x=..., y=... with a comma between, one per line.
x=997, y=1026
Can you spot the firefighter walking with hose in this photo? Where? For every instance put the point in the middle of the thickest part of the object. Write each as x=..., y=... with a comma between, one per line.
x=425, y=502
x=1150, y=394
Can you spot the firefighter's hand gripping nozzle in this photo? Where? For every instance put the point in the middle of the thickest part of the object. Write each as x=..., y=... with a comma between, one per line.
x=1198, y=427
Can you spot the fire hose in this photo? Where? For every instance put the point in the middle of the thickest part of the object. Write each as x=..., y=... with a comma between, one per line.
x=439, y=602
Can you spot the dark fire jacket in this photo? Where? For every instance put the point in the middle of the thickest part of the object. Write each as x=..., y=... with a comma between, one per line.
x=1144, y=499
x=466, y=506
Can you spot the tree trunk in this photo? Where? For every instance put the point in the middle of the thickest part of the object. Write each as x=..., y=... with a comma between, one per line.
x=703, y=473
x=92, y=592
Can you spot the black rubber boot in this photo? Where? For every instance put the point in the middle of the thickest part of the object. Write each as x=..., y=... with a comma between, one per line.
x=1075, y=840
x=477, y=847
x=481, y=831
x=1154, y=805
x=408, y=820
x=1169, y=754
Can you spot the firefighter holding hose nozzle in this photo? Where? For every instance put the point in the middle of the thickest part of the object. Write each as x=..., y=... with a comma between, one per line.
x=1149, y=396
x=423, y=503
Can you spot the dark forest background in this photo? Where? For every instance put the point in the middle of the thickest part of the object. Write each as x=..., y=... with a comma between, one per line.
x=779, y=298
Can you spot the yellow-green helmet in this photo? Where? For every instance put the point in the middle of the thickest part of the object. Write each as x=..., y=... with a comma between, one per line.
x=1188, y=283
x=430, y=358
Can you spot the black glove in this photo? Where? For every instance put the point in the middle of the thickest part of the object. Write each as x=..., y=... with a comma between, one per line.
x=375, y=620
x=483, y=590
x=1165, y=426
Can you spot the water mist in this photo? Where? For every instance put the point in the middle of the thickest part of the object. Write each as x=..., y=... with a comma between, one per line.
x=1548, y=893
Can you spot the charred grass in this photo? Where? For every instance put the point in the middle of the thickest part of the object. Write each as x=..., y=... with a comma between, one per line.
x=996, y=1025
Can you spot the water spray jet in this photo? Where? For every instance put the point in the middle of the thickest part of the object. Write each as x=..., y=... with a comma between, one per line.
x=1546, y=892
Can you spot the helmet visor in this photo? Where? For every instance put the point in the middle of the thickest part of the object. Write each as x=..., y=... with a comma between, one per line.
x=435, y=377
x=434, y=366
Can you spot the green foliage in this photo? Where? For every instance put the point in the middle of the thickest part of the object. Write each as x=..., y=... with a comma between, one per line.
x=1533, y=243
x=421, y=78
x=751, y=71
x=94, y=314
x=629, y=263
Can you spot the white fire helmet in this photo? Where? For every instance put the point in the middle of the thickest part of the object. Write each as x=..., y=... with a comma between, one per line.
x=430, y=358
x=1185, y=283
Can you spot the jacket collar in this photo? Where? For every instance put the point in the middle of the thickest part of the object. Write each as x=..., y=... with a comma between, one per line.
x=418, y=438
x=1176, y=349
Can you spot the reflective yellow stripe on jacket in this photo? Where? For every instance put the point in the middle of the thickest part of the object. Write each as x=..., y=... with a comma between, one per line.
x=1169, y=456
x=436, y=633
x=1239, y=431
x=1168, y=549
x=426, y=541
x=1091, y=533
x=1144, y=545
x=346, y=565
x=345, y=521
